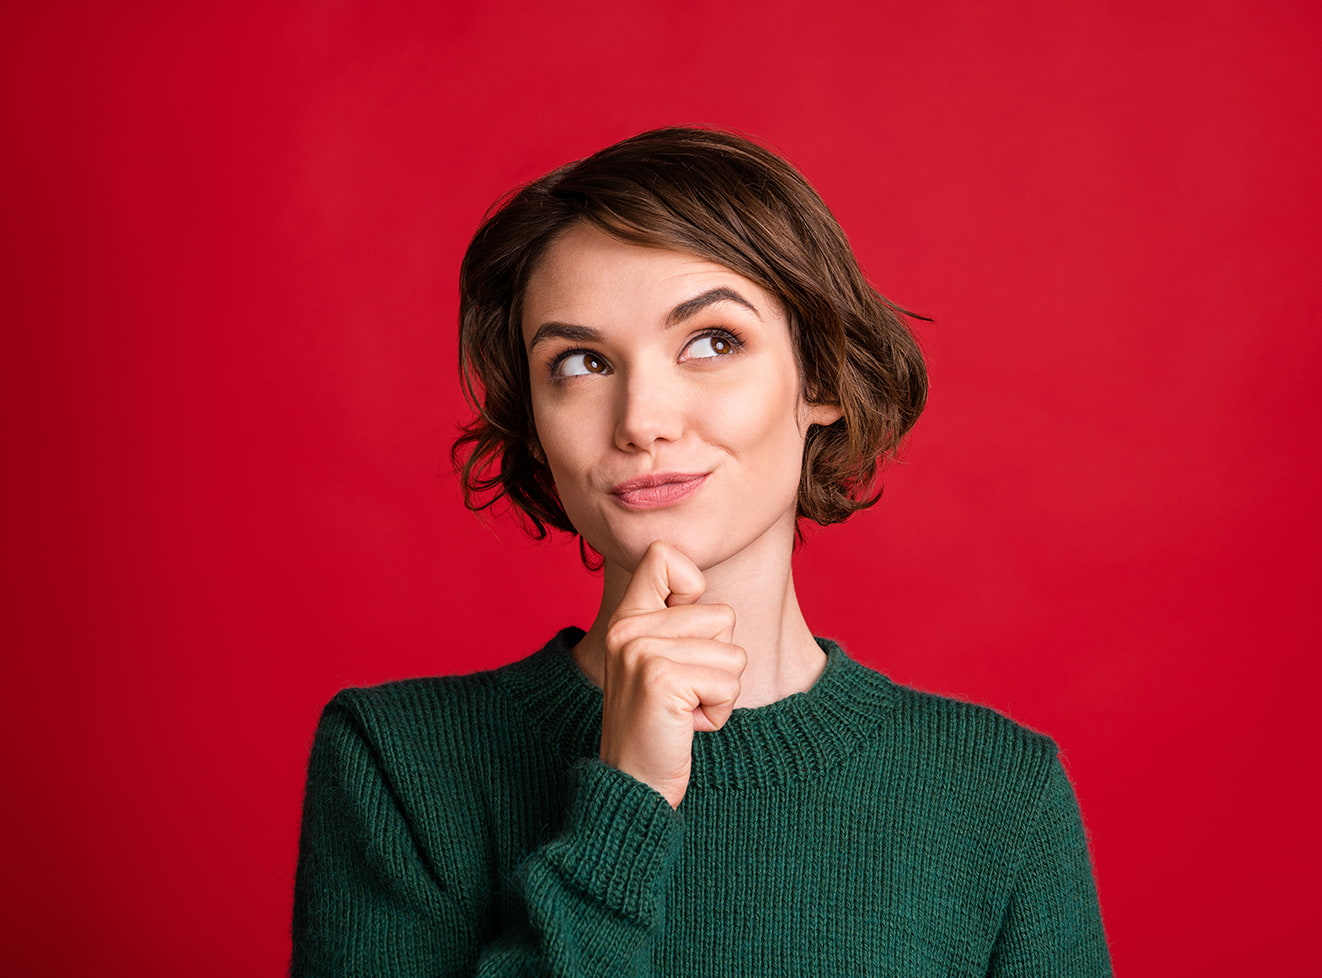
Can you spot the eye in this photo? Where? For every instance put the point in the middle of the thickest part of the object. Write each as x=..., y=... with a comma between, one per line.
x=712, y=345
x=578, y=363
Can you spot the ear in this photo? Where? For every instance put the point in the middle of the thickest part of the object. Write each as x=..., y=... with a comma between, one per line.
x=823, y=414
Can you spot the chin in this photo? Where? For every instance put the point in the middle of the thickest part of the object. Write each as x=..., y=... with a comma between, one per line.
x=706, y=546
x=625, y=545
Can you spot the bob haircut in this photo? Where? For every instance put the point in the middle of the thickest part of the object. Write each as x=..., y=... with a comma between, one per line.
x=719, y=196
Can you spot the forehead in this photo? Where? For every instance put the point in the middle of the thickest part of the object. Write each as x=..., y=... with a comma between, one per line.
x=587, y=276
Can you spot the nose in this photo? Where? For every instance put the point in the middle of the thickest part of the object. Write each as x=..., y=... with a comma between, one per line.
x=649, y=411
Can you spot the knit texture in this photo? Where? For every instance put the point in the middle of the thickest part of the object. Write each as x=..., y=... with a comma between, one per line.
x=462, y=826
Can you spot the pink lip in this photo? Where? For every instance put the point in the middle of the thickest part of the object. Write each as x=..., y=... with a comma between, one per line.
x=658, y=490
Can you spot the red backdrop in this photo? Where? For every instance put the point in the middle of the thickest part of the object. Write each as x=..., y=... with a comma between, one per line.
x=236, y=294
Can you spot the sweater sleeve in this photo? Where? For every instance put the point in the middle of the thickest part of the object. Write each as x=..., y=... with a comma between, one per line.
x=1053, y=924
x=368, y=903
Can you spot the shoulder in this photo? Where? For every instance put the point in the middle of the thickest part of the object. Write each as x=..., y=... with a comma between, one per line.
x=932, y=724
x=964, y=773
x=424, y=708
x=424, y=700
x=946, y=747
x=983, y=760
x=452, y=715
x=962, y=726
x=966, y=752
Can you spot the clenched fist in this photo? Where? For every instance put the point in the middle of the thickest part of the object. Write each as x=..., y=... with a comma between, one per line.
x=671, y=668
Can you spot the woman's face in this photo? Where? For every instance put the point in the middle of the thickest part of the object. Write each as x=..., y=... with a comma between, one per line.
x=666, y=398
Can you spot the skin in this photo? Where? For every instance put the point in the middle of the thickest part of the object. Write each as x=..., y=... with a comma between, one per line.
x=646, y=361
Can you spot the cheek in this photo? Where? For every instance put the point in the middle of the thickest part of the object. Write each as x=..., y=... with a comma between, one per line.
x=559, y=451
x=550, y=434
x=567, y=437
x=761, y=424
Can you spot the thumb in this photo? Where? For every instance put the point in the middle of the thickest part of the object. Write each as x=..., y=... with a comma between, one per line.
x=663, y=578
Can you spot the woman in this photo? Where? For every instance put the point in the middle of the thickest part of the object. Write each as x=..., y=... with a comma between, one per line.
x=673, y=354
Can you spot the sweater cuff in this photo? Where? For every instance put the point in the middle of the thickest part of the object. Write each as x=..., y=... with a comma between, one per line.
x=620, y=842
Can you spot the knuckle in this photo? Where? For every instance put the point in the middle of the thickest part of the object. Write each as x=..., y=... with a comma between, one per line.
x=619, y=633
x=633, y=654
x=645, y=652
x=654, y=673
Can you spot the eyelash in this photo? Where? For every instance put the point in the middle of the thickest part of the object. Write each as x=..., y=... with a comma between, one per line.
x=736, y=342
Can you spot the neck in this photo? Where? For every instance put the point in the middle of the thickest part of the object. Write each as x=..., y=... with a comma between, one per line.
x=758, y=583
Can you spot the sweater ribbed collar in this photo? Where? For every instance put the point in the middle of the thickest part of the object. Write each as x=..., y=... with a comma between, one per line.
x=798, y=737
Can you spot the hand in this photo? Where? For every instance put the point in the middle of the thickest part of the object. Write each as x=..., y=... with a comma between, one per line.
x=671, y=668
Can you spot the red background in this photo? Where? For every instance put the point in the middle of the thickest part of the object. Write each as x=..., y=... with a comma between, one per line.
x=234, y=294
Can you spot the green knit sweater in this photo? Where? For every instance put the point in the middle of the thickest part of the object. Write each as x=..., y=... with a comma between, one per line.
x=462, y=826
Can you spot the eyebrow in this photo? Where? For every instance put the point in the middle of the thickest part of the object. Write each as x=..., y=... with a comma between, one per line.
x=564, y=331
x=691, y=307
x=684, y=311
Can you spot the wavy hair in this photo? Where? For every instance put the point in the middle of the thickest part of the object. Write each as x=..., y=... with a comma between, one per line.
x=719, y=196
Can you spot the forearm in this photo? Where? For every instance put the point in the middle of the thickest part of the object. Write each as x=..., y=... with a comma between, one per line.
x=368, y=902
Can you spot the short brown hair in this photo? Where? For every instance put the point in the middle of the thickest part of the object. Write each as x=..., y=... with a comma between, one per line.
x=719, y=196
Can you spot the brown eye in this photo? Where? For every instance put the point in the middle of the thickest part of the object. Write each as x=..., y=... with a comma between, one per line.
x=705, y=347
x=580, y=364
